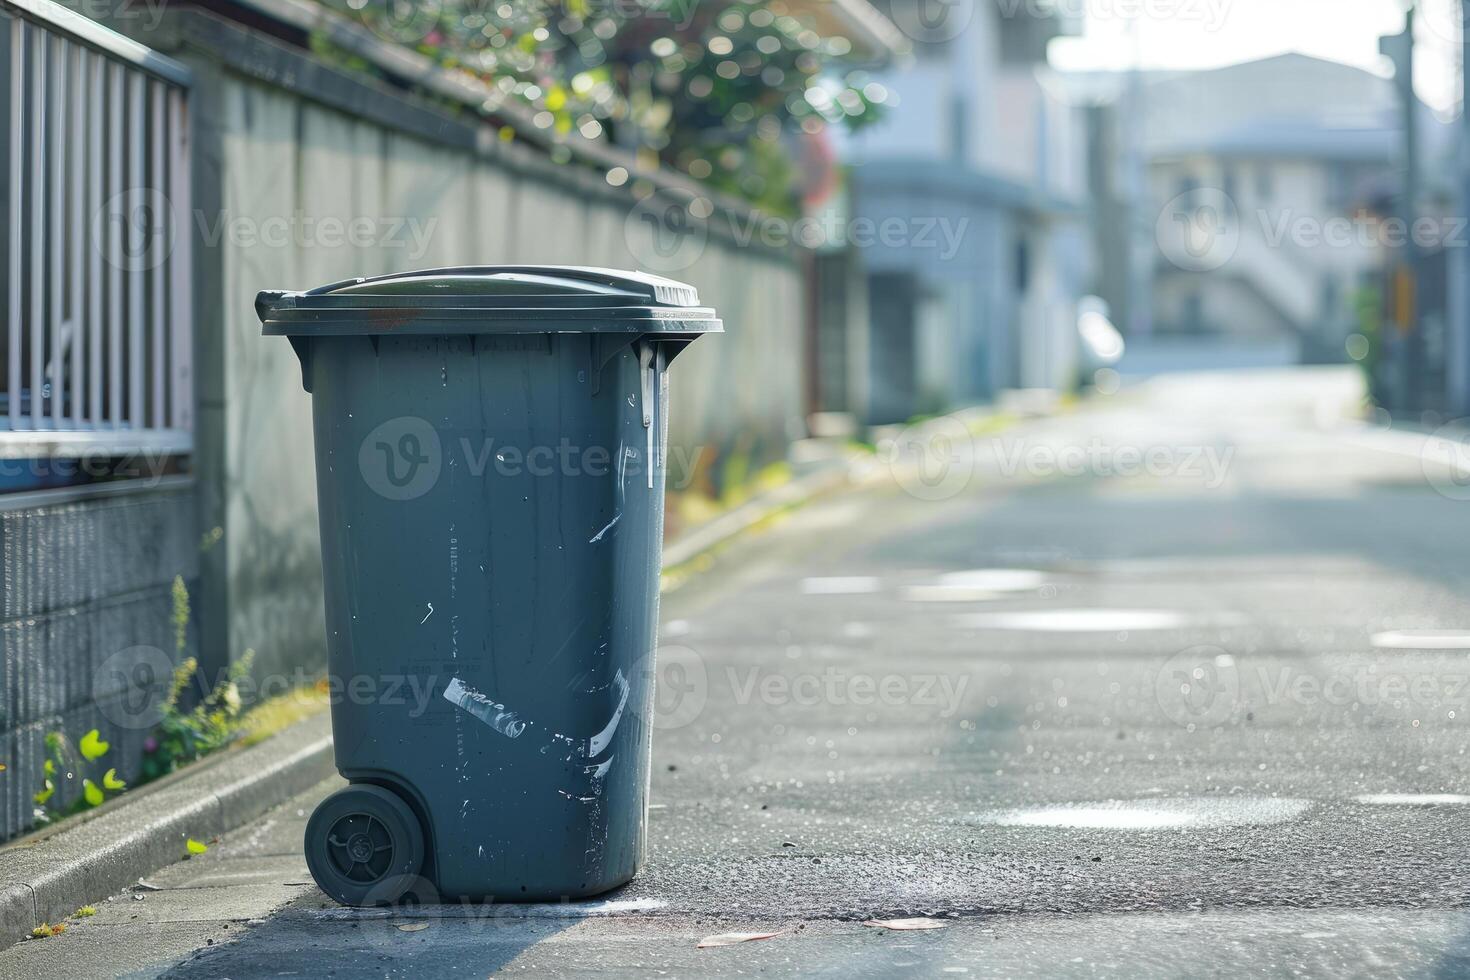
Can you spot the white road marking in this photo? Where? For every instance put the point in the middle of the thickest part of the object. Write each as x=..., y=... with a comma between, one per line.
x=857, y=585
x=948, y=593
x=1090, y=620
x=995, y=579
x=1152, y=814
x=1421, y=640
x=1414, y=799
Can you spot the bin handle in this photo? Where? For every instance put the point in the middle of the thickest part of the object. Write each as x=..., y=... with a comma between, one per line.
x=302, y=347
x=266, y=302
x=606, y=346
x=648, y=376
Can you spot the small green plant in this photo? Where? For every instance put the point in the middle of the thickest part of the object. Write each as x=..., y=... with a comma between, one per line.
x=182, y=736
x=186, y=735
x=85, y=912
x=65, y=761
x=181, y=614
x=45, y=930
x=92, y=793
x=92, y=747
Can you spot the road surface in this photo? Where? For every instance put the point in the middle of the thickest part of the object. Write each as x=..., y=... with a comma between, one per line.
x=1140, y=690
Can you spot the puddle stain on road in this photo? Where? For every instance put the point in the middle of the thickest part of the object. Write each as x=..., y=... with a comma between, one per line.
x=1150, y=814
x=977, y=585
x=850, y=585
x=1421, y=640
x=1092, y=620
x=1414, y=799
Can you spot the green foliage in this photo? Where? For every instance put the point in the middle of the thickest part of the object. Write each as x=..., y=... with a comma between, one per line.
x=92, y=793
x=48, y=785
x=65, y=762
x=712, y=89
x=185, y=735
x=92, y=747
x=181, y=614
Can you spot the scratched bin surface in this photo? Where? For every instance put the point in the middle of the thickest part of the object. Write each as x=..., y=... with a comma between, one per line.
x=491, y=501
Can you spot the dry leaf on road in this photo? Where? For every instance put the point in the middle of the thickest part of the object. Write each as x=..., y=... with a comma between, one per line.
x=732, y=938
x=903, y=924
x=413, y=927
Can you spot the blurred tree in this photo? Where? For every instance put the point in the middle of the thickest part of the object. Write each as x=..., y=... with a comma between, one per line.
x=713, y=88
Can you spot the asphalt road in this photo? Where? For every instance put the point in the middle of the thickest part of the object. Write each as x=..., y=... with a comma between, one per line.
x=1135, y=691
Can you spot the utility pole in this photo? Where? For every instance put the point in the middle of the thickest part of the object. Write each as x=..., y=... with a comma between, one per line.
x=1458, y=327
x=1142, y=246
x=1405, y=345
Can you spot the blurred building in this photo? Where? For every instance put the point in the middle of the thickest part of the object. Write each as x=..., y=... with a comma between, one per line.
x=965, y=210
x=1242, y=213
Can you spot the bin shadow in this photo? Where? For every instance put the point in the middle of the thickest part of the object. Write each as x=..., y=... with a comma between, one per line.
x=319, y=938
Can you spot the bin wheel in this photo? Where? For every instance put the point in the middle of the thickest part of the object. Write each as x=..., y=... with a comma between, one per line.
x=364, y=846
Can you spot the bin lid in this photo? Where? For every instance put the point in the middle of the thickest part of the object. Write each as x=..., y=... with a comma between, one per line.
x=490, y=299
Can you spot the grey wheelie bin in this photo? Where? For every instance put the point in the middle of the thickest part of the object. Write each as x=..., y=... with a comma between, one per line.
x=490, y=477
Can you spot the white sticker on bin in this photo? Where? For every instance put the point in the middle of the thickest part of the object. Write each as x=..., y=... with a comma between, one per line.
x=488, y=710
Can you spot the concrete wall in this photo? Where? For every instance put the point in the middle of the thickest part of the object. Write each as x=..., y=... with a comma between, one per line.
x=87, y=607
x=275, y=146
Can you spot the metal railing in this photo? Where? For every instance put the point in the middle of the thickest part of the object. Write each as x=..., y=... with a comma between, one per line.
x=97, y=300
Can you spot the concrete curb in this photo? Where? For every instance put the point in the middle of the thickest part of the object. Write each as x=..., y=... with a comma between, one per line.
x=47, y=877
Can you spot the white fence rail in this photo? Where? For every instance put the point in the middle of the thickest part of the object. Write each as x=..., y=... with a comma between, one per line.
x=97, y=316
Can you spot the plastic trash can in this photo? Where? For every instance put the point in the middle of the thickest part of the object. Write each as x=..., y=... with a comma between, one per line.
x=490, y=473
